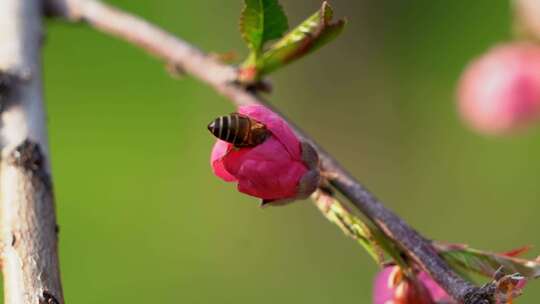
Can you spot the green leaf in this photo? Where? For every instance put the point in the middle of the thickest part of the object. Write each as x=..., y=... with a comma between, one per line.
x=261, y=21
x=486, y=263
x=310, y=35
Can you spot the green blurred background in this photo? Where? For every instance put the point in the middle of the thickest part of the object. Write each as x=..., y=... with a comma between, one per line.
x=143, y=220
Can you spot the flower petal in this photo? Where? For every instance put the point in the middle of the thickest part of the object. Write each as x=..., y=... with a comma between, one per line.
x=290, y=177
x=387, y=289
x=279, y=128
x=382, y=292
x=268, y=179
x=221, y=149
x=270, y=150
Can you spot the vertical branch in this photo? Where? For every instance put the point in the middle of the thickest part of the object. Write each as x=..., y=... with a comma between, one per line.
x=27, y=215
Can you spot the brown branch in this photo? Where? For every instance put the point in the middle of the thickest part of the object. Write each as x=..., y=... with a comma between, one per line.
x=27, y=214
x=191, y=60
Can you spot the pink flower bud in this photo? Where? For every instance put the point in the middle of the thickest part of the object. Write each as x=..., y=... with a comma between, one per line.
x=279, y=170
x=393, y=287
x=500, y=91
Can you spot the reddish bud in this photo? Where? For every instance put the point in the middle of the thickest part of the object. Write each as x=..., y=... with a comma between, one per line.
x=279, y=170
x=500, y=91
x=393, y=287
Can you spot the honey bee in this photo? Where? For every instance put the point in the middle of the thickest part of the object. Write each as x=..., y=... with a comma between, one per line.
x=239, y=130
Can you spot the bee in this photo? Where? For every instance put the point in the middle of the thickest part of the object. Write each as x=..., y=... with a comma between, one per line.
x=239, y=130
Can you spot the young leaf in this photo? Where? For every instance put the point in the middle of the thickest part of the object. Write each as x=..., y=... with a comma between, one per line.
x=261, y=21
x=486, y=263
x=310, y=35
x=334, y=211
x=367, y=234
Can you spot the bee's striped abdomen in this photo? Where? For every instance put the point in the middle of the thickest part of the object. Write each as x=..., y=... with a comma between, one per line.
x=238, y=130
x=222, y=127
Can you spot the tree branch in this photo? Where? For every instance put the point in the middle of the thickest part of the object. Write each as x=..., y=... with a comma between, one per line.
x=221, y=77
x=27, y=214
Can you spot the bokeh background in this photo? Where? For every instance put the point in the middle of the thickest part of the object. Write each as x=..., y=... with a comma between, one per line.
x=143, y=220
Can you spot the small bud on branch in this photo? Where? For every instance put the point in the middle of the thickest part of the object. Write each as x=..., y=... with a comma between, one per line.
x=278, y=170
x=499, y=92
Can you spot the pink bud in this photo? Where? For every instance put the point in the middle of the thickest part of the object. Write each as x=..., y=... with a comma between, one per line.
x=279, y=169
x=393, y=287
x=500, y=91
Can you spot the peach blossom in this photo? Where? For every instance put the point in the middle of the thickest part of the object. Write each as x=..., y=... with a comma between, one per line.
x=499, y=92
x=392, y=287
x=280, y=169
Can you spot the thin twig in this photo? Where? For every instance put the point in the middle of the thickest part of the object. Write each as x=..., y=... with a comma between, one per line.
x=176, y=52
x=27, y=214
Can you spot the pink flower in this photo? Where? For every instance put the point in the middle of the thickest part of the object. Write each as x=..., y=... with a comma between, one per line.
x=500, y=91
x=279, y=170
x=393, y=287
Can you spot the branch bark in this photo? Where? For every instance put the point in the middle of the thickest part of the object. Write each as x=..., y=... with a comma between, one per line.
x=27, y=214
x=219, y=76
